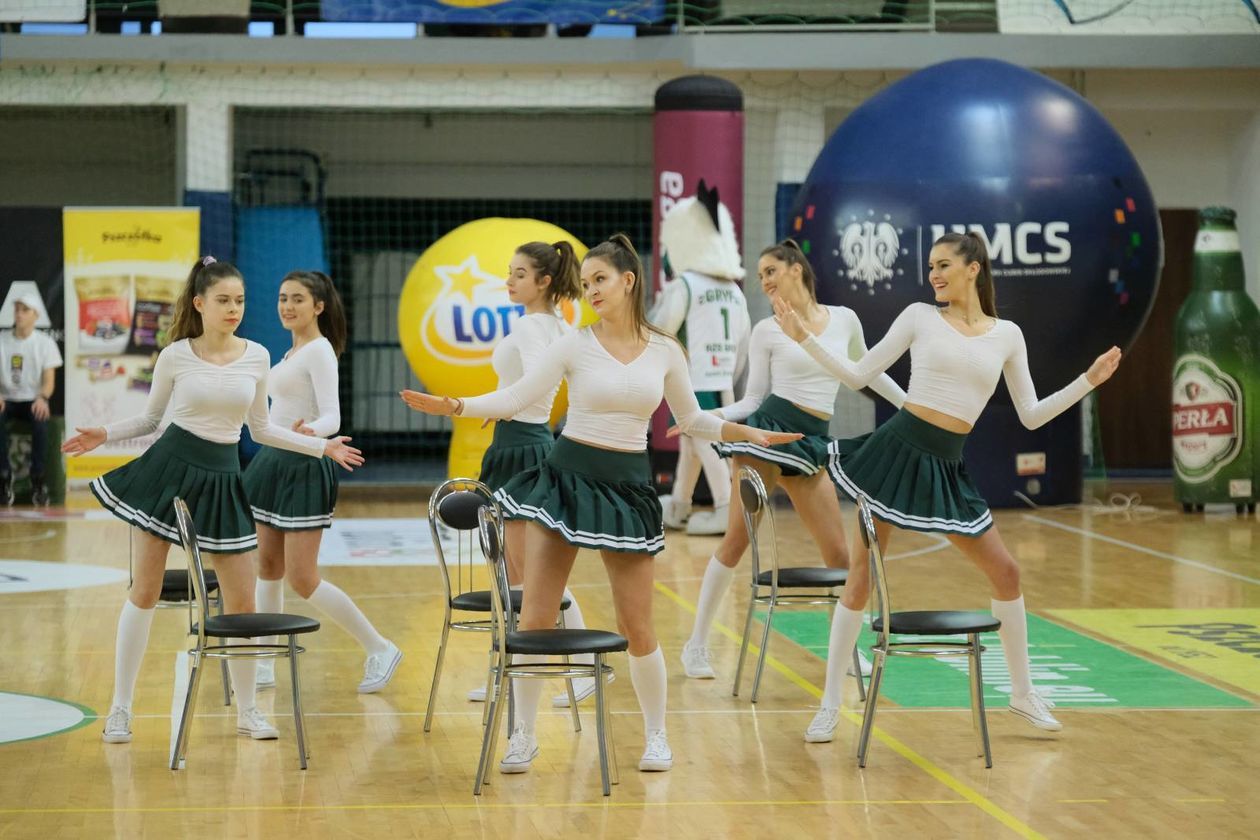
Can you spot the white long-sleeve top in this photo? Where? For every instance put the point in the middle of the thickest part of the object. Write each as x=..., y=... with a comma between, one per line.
x=523, y=348
x=778, y=365
x=211, y=401
x=303, y=386
x=954, y=373
x=610, y=403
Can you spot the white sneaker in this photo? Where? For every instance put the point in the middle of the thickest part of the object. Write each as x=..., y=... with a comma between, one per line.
x=254, y=723
x=674, y=515
x=865, y=663
x=266, y=674
x=657, y=756
x=1033, y=709
x=708, y=523
x=695, y=661
x=522, y=749
x=823, y=727
x=117, y=726
x=583, y=687
x=477, y=695
x=379, y=669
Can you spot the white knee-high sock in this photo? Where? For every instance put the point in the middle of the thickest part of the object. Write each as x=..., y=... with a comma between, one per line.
x=687, y=473
x=1014, y=636
x=845, y=626
x=527, y=693
x=717, y=580
x=647, y=674
x=129, y=645
x=717, y=473
x=244, y=673
x=269, y=598
x=337, y=605
x=573, y=621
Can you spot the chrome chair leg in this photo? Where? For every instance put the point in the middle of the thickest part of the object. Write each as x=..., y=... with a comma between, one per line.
x=186, y=718
x=743, y=645
x=437, y=674
x=485, y=711
x=573, y=703
x=223, y=665
x=872, y=700
x=601, y=730
x=608, y=724
x=977, y=683
x=298, y=720
x=857, y=671
x=490, y=737
x=765, y=646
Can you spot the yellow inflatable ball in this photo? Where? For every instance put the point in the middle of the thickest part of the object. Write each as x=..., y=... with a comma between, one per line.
x=453, y=310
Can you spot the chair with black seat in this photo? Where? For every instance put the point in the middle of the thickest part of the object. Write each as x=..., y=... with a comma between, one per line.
x=938, y=625
x=454, y=504
x=817, y=582
x=222, y=627
x=510, y=642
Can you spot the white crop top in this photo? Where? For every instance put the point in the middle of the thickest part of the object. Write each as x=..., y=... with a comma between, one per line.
x=953, y=373
x=523, y=348
x=212, y=401
x=778, y=365
x=610, y=403
x=303, y=386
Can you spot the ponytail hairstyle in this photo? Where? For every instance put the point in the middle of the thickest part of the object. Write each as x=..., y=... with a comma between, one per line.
x=618, y=252
x=972, y=249
x=332, y=320
x=559, y=262
x=206, y=272
x=789, y=252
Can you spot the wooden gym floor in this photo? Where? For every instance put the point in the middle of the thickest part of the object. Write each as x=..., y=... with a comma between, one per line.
x=1145, y=627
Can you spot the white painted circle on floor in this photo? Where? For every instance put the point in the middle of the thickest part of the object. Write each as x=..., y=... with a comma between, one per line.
x=23, y=717
x=36, y=576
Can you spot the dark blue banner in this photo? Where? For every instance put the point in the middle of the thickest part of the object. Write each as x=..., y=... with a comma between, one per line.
x=562, y=12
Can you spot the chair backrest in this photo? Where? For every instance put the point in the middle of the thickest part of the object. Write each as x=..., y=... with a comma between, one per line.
x=490, y=531
x=455, y=504
x=200, y=602
x=875, y=556
x=756, y=504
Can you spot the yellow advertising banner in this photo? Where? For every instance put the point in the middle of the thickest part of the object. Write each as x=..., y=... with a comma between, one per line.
x=1219, y=643
x=124, y=269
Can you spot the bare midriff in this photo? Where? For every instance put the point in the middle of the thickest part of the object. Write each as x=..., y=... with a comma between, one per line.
x=940, y=419
x=813, y=412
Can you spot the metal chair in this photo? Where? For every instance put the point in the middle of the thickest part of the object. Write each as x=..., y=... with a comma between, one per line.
x=766, y=585
x=455, y=504
x=931, y=623
x=509, y=642
x=233, y=626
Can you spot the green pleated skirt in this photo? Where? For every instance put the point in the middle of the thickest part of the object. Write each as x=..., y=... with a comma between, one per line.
x=290, y=491
x=591, y=497
x=806, y=456
x=516, y=447
x=206, y=475
x=912, y=476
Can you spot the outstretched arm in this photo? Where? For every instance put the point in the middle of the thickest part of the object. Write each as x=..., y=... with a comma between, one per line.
x=1033, y=412
x=882, y=384
x=857, y=374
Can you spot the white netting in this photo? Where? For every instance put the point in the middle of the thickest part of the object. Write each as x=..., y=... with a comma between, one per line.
x=1133, y=17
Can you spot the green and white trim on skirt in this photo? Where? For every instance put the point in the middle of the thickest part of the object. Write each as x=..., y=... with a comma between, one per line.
x=206, y=475
x=912, y=476
x=516, y=447
x=806, y=456
x=290, y=491
x=591, y=497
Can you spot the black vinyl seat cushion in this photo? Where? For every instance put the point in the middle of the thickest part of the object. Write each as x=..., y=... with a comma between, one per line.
x=938, y=623
x=564, y=642
x=248, y=625
x=479, y=601
x=175, y=586
x=806, y=576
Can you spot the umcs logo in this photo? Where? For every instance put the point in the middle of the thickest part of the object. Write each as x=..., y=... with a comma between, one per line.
x=471, y=313
x=1021, y=244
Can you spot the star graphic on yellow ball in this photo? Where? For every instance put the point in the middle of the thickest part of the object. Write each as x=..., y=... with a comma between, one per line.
x=462, y=279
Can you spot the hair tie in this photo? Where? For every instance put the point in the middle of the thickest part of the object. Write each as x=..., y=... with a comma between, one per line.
x=207, y=260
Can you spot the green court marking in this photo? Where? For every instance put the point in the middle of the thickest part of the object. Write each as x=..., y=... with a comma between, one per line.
x=1073, y=670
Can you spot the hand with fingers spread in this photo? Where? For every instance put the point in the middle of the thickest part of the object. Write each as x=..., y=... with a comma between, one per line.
x=1103, y=367
x=765, y=437
x=430, y=404
x=789, y=320
x=347, y=456
x=85, y=441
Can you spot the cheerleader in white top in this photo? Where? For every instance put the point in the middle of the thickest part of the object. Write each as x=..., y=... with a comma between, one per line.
x=910, y=469
x=541, y=276
x=293, y=497
x=207, y=382
x=789, y=391
x=595, y=488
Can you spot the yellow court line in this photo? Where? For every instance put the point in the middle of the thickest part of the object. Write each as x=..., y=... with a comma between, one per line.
x=480, y=806
x=1201, y=799
x=957, y=786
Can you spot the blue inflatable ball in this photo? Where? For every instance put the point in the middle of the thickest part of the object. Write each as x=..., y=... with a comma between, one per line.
x=983, y=145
